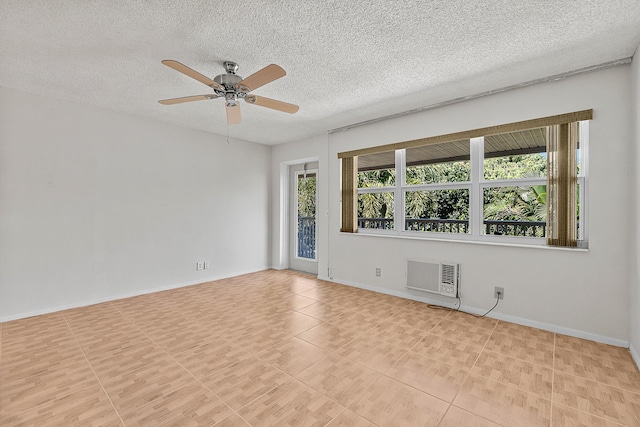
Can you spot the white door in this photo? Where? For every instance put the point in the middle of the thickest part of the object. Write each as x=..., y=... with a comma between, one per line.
x=302, y=224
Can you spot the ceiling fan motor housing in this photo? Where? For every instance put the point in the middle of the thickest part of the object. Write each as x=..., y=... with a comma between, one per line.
x=229, y=82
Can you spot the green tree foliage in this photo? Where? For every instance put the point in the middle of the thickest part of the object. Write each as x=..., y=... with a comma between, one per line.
x=514, y=167
x=526, y=203
x=443, y=204
x=377, y=178
x=439, y=173
x=376, y=205
x=307, y=196
x=501, y=203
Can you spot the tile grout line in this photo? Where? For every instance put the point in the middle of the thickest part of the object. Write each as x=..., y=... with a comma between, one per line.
x=495, y=331
x=165, y=351
x=93, y=370
x=599, y=417
x=543, y=366
x=471, y=368
x=532, y=363
x=512, y=385
x=253, y=355
x=334, y=353
x=618, y=387
x=599, y=358
x=296, y=380
x=279, y=385
x=520, y=359
x=182, y=366
x=383, y=374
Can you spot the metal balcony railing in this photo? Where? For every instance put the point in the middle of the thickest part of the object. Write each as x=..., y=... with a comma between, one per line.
x=494, y=227
x=306, y=237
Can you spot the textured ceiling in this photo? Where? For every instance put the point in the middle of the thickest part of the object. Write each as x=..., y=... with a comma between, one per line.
x=346, y=61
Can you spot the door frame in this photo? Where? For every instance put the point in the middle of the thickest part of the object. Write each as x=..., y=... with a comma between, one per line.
x=296, y=262
x=285, y=200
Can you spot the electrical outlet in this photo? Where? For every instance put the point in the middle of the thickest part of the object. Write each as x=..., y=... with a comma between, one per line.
x=498, y=292
x=199, y=266
x=378, y=272
x=207, y=264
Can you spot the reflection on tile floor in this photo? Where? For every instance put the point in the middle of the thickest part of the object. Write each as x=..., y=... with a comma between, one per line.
x=281, y=348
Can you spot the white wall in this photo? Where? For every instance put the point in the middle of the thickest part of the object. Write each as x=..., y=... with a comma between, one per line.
x=96, y=205
x=635, y=249
x=584, y=293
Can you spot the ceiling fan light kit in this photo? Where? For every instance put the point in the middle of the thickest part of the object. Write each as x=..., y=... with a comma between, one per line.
x=232, y=87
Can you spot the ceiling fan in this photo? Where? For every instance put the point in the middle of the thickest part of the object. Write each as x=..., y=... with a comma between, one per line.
x=232, y=88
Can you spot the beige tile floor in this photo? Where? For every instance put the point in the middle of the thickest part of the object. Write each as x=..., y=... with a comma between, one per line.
x=279, y=348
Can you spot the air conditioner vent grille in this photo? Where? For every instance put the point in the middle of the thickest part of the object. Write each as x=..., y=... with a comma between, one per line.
x=448, y=274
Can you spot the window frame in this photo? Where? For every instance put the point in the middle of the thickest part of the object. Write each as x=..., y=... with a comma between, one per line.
x=476, y=200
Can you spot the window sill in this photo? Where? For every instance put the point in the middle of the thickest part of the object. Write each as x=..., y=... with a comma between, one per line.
x=394, y=235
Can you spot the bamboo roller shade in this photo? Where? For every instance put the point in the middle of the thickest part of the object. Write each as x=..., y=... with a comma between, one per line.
x=475, y=133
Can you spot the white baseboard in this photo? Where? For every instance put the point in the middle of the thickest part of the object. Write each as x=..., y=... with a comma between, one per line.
x=635, y=355
x=507, y=318
x=123, y=295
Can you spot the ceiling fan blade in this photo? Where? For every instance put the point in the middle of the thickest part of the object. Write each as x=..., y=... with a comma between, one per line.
x=181, y=68
x=262, y=77
x=186, y=99
x=272, y=103
x=233, y=114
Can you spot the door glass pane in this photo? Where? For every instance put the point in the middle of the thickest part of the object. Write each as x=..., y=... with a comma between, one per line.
x=306, y=246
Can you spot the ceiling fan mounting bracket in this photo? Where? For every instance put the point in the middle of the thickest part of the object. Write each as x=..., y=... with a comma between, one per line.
x=230, y=66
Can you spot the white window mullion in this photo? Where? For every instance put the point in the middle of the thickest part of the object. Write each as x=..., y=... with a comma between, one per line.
x=475, y=196
x=435, y=187
x=582, y=180
x=398, y=196
x=376, y=190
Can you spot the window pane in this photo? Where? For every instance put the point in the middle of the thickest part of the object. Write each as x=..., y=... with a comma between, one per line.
x=439, y=163
x=578, y=204
x=443, y=211
x=377, y=170
x=516, y=166
x=516, y=155
x=375, y=210
x=515, y=211
x=307, y=216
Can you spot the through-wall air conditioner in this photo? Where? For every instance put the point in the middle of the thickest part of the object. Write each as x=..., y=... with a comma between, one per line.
x=435, y=277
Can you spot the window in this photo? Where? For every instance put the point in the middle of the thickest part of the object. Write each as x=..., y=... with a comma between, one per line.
x=442, y=211
x=437, y=185
x=376, y=186
x=523, y=185
x=514, y=187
